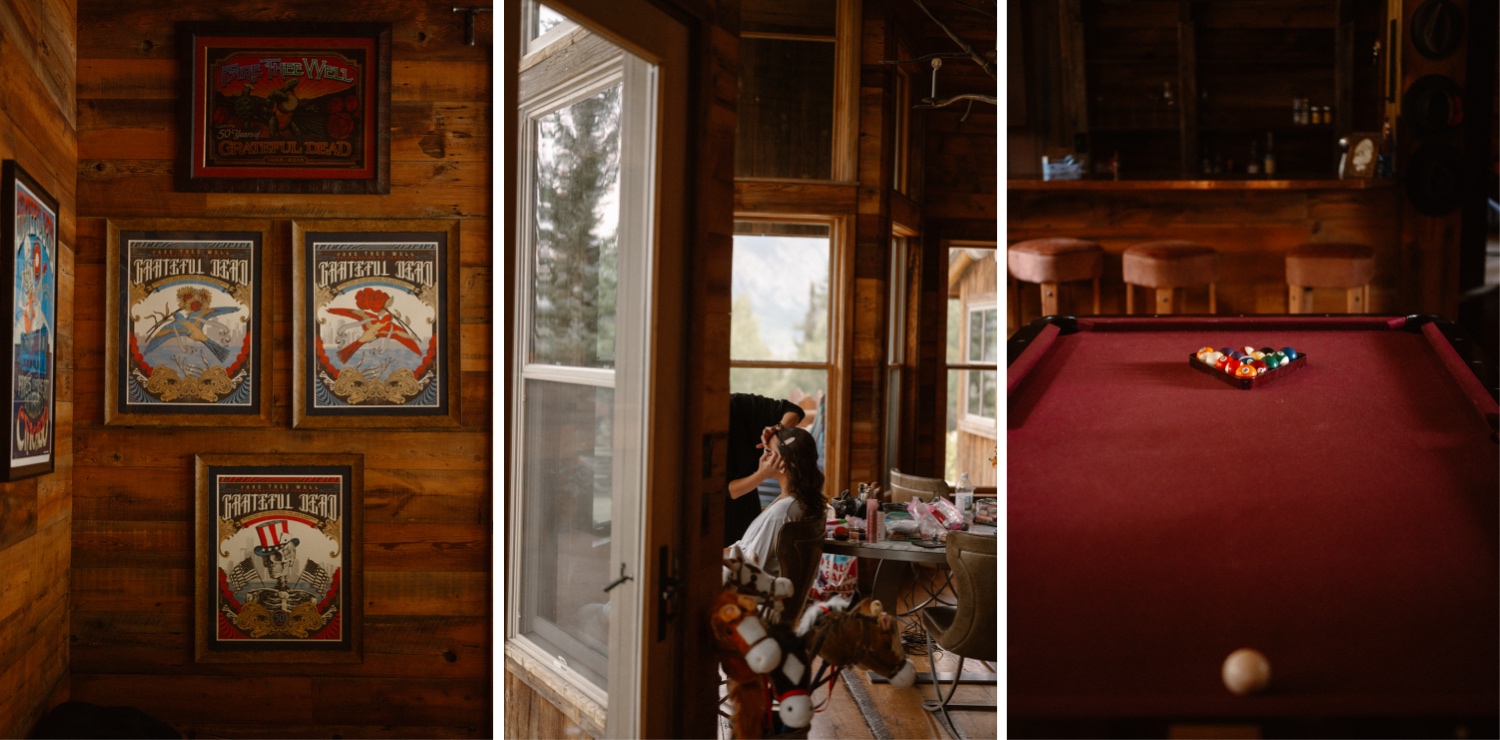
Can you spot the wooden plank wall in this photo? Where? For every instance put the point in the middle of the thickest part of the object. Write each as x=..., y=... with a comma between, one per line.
x=1251, y=229
x=957, y=157
x=38, y=130
x=427, y=666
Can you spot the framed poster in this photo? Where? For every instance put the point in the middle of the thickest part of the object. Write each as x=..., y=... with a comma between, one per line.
x=29, y=219
x=185, y=340
x=278, y=577
x=376, y=324
x=278, y=108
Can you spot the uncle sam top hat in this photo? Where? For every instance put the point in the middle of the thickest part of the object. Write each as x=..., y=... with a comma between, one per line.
x=273, y=537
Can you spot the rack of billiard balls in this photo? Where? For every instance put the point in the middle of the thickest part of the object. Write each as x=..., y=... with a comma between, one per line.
x=1248, y=367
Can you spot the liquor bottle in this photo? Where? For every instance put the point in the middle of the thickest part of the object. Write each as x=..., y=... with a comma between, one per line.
x=1269, y=167
x=1253, y=166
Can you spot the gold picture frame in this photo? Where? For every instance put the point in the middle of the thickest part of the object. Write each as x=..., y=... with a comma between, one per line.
x=375, y=322
x=207, y=360
x=278, y=558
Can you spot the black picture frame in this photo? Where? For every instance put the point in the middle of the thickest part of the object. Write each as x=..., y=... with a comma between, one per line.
x=30, y=218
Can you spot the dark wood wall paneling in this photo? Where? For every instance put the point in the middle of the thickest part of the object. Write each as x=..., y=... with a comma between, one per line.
x=956, y=157
x=38, y=130
x=1251, y=229
x=427, y=666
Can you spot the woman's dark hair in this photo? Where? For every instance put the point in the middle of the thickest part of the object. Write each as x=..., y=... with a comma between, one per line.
x=800, y=452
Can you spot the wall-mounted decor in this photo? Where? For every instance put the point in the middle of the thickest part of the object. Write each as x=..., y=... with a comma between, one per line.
x=1360, y=156
x=29, y=218
x=186, y=343
x=376, y=324
x=278, y=577
x=288, y=108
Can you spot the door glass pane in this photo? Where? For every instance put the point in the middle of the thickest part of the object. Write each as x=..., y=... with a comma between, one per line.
x=780, y=293
x=577, y=211
x=567, y=480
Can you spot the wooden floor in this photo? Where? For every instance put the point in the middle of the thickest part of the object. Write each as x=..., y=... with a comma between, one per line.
x=865, y=710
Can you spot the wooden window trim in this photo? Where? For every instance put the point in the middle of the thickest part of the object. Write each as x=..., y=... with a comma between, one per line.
x=840, y=339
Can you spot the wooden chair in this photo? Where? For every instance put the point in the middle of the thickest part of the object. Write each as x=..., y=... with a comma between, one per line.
x=1049, y=262
x=904, y=487
x=799, y=550
x=1347, y=266
x=968, y=629
x=1170, y=267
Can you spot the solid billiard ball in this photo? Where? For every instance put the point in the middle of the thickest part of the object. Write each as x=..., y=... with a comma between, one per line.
x=1245, y=370
x=1246, y=671
x=1232, y=365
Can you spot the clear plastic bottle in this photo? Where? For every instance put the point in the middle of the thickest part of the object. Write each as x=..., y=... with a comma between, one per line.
x=963, y=499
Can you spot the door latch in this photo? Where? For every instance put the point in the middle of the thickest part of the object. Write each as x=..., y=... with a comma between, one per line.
x=623, y=578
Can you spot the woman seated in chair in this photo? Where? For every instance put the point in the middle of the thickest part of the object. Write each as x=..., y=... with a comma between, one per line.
x=791, y=457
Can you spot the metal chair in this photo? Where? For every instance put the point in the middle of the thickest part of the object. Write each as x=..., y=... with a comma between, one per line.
x=905, y=487
x=969, y=629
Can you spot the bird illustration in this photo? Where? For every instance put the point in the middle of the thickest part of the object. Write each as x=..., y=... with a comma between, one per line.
x=374, y=321
x=193, y=321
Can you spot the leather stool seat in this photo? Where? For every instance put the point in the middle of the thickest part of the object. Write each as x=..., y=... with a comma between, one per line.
x=1169, y=266
x=1055, y=260
x=1051, y=261
x=1350, y=267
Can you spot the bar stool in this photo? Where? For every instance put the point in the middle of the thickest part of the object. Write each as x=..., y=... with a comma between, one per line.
x=1051, y=261
x=1169, y=267
x=1347, y=266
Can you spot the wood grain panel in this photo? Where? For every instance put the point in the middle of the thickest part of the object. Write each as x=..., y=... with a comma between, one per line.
x=128, y=30
x=37, y=129
x=152, y=642
x=427, y=627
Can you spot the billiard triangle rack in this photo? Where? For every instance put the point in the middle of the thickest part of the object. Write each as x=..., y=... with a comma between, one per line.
x=1245, y=384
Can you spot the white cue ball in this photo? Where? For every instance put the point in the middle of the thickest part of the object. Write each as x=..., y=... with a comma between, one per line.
x=1246, y=671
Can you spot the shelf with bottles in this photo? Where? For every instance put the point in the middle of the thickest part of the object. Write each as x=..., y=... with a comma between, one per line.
x=1241, y=154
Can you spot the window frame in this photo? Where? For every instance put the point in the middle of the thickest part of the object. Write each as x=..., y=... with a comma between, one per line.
x=970, y=363
x=898, y=333
x=963, y=421
x=617, y=711
x=835, y=467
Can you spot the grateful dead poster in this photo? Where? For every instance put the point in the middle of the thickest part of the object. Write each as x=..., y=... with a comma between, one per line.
x=187, y=325
x=31, y=215
x=289, y=108
x=376, y=331
x=278, y=562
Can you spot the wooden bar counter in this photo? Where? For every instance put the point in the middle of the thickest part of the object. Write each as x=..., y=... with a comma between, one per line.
x=1252, y=223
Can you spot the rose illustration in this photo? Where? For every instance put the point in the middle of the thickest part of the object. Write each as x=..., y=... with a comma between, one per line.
x=336, y=105
x=340, y=125
x=351, y=104
x=370, y=299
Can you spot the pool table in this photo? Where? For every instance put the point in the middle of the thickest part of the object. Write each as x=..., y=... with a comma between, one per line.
x=1342, y=520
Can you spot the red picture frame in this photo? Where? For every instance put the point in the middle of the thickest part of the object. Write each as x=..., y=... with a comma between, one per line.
x=277, y=108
